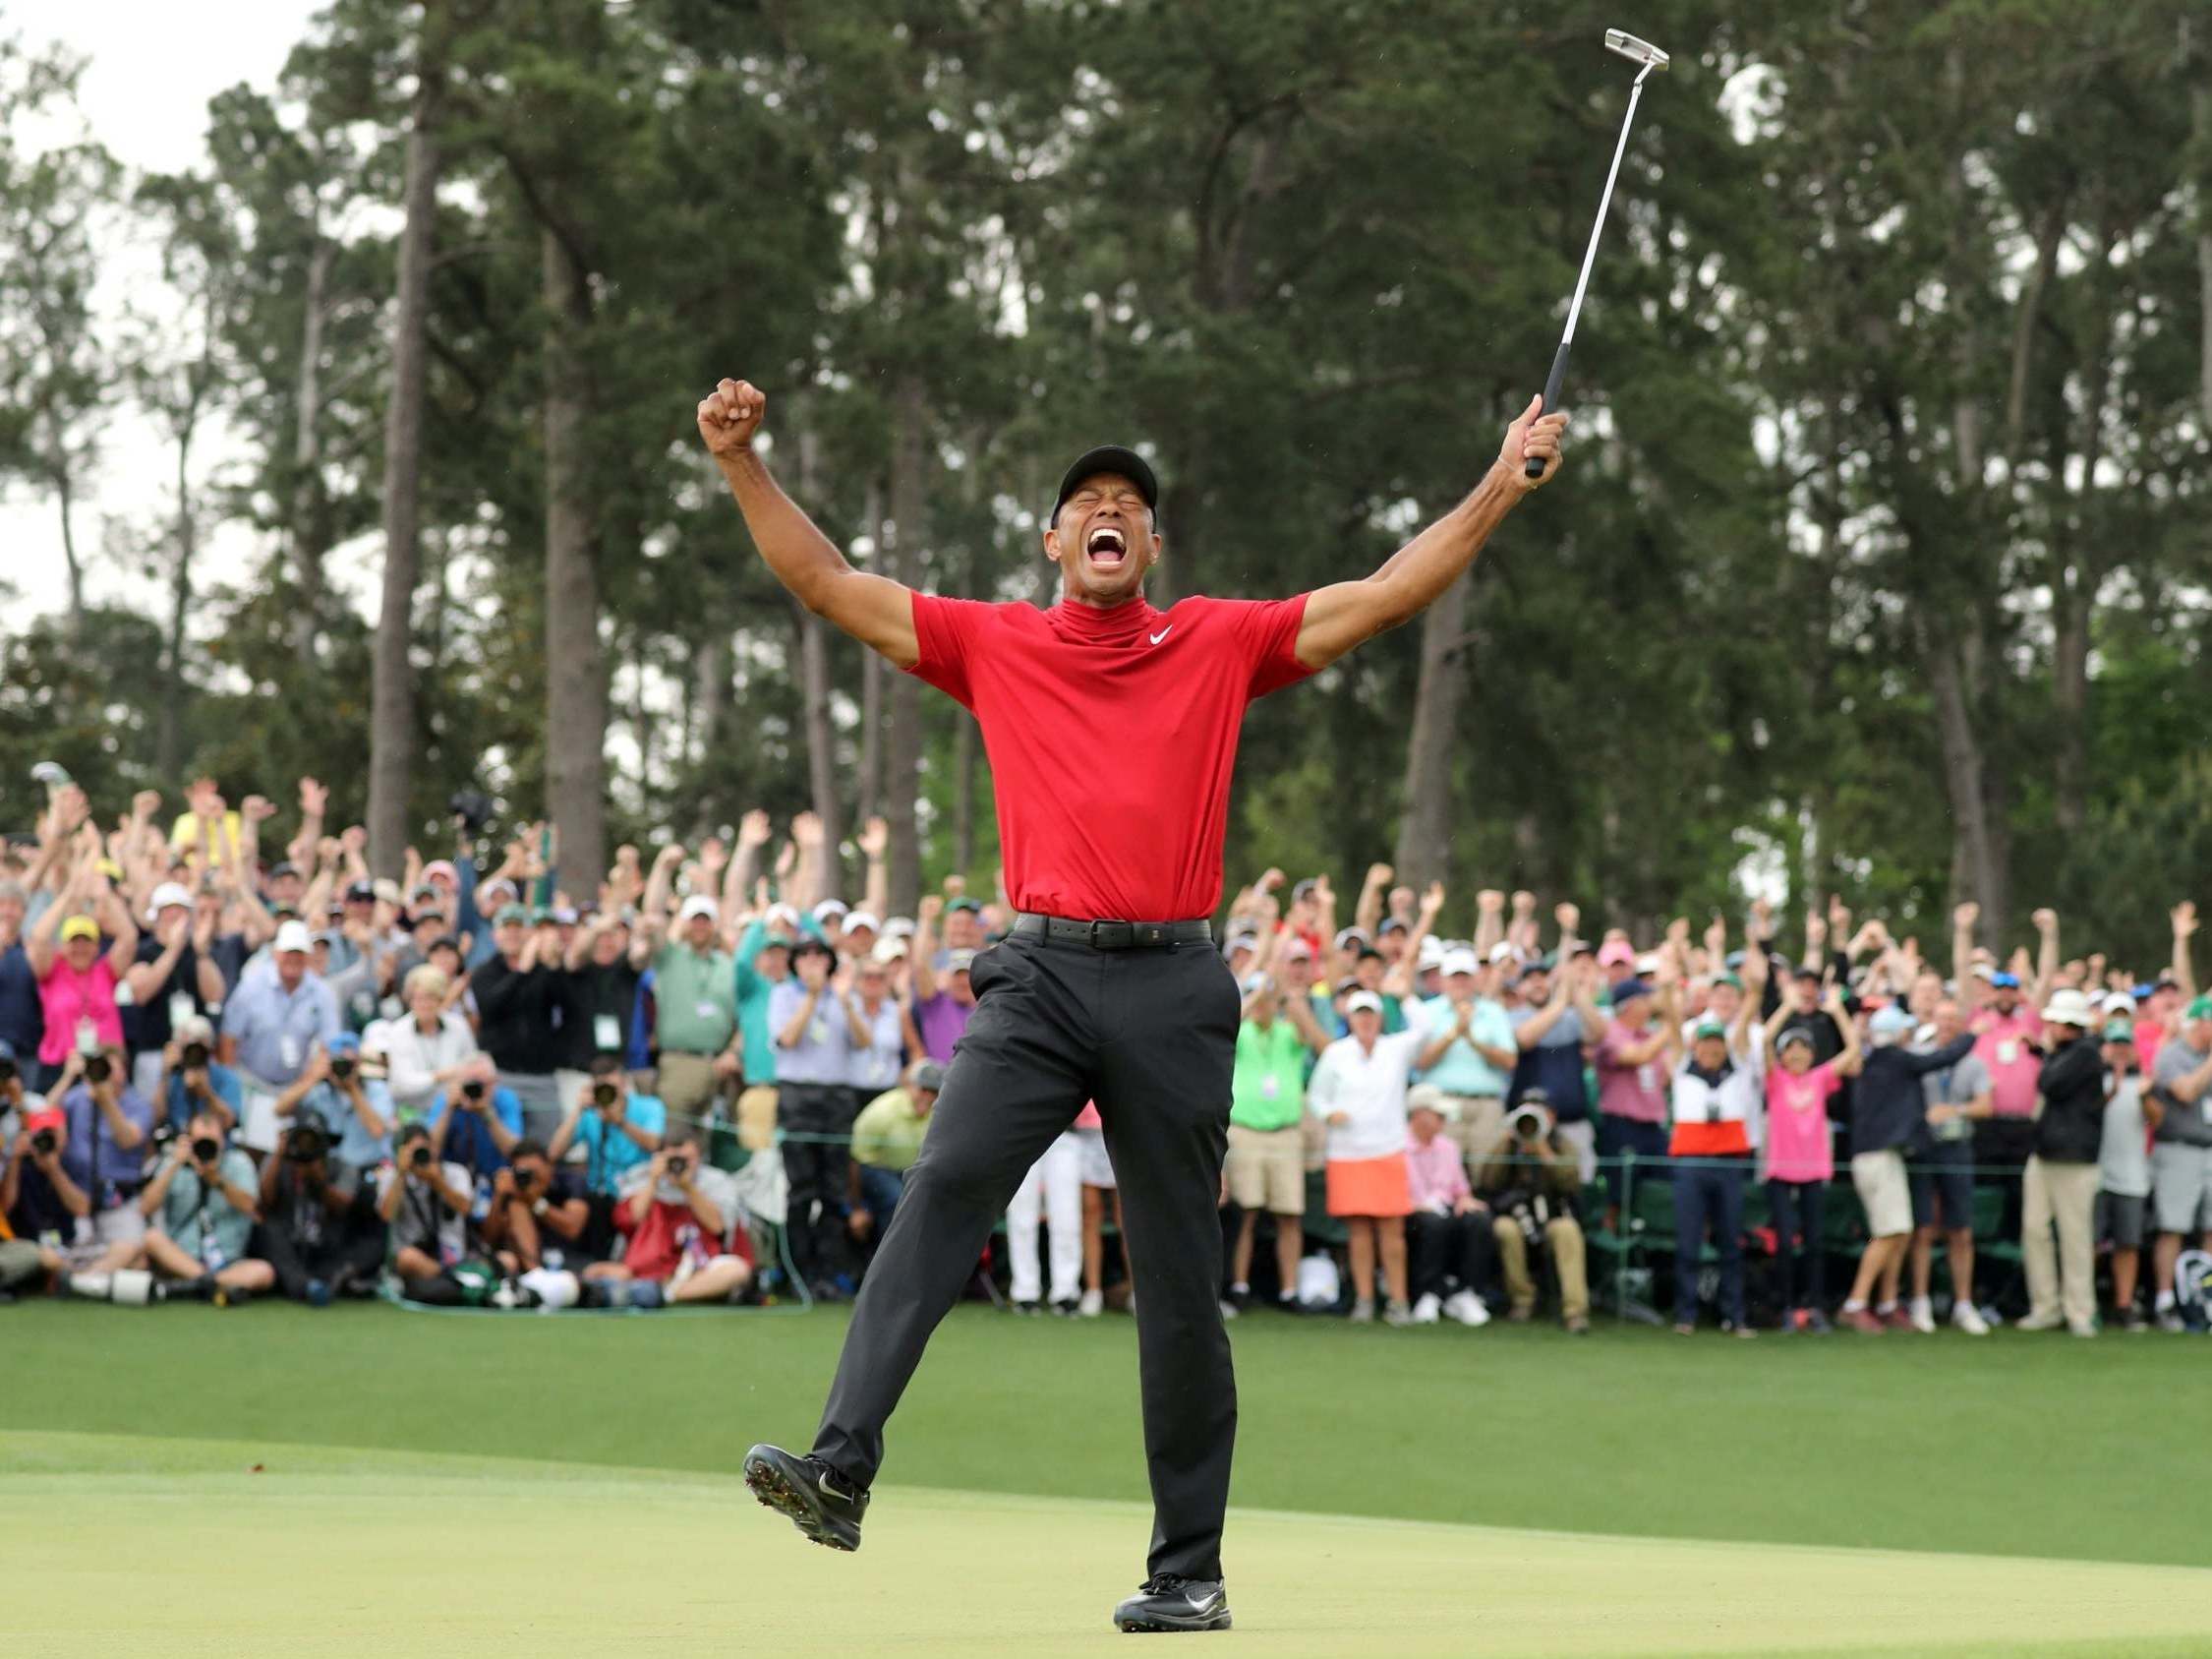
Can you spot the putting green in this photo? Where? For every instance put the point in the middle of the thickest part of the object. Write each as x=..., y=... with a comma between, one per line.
x=226, y=1547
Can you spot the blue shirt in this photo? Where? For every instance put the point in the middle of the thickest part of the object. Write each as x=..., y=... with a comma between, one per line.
x=351, y=1141
x=276, y=1028
x=23, y=1017
x=1463, y=1071
x=612, y=1154
x=469, y=1141
x=823, y=1051
x=876, y=1067
x=223, y=1083
x=89, y=1129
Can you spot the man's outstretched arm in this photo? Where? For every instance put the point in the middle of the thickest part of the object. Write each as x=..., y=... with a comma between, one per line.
x=874, y=610
x=1349, y=614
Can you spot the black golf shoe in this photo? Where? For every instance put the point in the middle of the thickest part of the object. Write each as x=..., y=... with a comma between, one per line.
x=817, y=1499
x=1165, y=1602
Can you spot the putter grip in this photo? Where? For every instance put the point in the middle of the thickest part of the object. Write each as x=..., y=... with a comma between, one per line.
x=1533, y=467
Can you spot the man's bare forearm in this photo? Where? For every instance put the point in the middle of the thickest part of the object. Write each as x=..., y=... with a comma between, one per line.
x=804, y=559
x=1421, y=570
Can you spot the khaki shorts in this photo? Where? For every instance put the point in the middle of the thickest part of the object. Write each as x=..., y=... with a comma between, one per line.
x=1883, y=1191
x=1267, y=1169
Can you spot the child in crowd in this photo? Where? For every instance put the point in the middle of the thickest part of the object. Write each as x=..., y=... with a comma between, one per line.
x=1800, y=1164
x=1358, y=1090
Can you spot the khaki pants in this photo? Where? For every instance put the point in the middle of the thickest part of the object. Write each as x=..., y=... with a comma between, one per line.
x=687, y=1082
x=1562, y=1236
x=1477, y=1125
x=2064, y=1195
x=756, y=1117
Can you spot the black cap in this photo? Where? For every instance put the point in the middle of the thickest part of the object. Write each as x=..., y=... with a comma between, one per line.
x=1107, y=457
x=362, y=893
x=284, y=867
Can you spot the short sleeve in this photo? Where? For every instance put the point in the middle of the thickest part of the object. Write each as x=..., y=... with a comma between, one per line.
x=650, y=1113
x=945, y=630
x=1267, y=631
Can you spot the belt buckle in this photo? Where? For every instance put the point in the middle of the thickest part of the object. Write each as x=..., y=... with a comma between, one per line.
x=1112, y=936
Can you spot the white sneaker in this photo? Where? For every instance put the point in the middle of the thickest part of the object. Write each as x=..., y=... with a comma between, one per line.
x=1967, y=1317
x=1468, y=1308
x=1091, y=1306
x=1923, y=1316
x=1427, y=1310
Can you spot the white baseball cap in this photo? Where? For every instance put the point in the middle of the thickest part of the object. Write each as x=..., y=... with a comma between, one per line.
x=291, y=936
x=700, y=905
x=168, y=896
x=861, y=919
x=1458, y=961
x=829, y=908
x=1358, y=1000
x=2068, y=1007
x=890, y=948
x=1502, y=952
x=898, y=928
x=1433, y=952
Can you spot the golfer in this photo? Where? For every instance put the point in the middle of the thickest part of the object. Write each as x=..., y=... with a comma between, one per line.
x=1111, y=729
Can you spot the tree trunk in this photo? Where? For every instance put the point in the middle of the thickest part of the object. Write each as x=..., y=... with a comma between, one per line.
x=2069, y=700
x=391, y=719
x=169, y=741
x=65, y=492
x=1977, y=854
x=902, y=781
x=575, y=664
x=1424, y=829
x=871, y=685
x=308, y=524
x=821, y=738
x=710, y=697
x=2202, y=105
x=963, y=792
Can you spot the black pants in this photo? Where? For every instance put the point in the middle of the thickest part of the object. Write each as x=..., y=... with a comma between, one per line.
x=1149, y=1035
x=1799, y=1212
x=1449, y=1253
x=816, y=1122
x=351, y=1243
x=1708, y=1194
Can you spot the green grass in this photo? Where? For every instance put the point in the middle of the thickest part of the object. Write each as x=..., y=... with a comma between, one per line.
x=2020, y=1445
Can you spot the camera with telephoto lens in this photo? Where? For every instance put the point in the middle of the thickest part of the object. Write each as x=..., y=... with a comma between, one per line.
x=99, y=1068
x=678, y=1165
x=206, y=1148
x=43, y=1142
x=525, y=1178
x=342, y=1065
x=195, y=1056
x=419, y=1159
x=307, y=1142
x=602, y=1094
x=473, y=1089
x=1525, y=1123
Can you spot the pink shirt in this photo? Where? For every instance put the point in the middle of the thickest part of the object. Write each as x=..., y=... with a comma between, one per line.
x=2008, y=1046
x=69, y=996
x=1636, y=1093
x=1436, y=1173
x=1799, y=1146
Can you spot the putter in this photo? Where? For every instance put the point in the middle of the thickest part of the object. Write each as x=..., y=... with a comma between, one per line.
x=1649, y=57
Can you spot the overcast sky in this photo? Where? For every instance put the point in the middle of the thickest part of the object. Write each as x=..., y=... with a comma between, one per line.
x=153, y=66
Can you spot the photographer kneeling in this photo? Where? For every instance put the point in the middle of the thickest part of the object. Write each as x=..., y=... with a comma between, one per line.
x=538, y=1213
x=1531, y=1183
x=316, y=1232
x=354, y=1107
x=689, y=1241
x=202, y=1205
x=424, y=1207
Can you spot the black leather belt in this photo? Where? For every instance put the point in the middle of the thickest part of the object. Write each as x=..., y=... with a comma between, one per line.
x=1113, y=935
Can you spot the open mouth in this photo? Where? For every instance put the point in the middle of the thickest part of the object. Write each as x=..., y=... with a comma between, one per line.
x=1107, y=548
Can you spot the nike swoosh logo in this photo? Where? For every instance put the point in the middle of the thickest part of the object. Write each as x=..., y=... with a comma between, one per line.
x=1205, y=1604
x=1155, y=639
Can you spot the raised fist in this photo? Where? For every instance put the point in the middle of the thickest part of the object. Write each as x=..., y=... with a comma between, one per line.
x=1432, y=901
x=806, y=830
x=753, y=829
x=875, y=838
x=1378, y=875
x=1524, y=903
x=314, y=796
x=931, y=907
x=1567, y=916
x=729, y=416
x=2045, y=920
x=1490, y=902
x=1966, y=915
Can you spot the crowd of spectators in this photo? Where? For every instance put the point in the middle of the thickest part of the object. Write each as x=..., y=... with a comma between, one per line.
x=230, y=1069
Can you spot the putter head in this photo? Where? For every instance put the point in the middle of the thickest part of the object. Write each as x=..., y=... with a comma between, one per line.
x=1634, y=50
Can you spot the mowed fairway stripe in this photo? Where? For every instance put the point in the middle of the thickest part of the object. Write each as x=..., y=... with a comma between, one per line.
x=176, y=1548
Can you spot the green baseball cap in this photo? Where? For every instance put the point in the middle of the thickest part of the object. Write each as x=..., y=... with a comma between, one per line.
x=2119, y=1031
x=1709, y=1028
x=509, y=912
x=1732, y=980
x=2201, y=1009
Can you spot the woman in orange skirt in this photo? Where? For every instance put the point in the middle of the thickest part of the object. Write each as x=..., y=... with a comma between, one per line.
x=1358, y=1090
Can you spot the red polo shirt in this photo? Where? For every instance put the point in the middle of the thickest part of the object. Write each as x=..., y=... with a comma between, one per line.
x=1111, y=737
